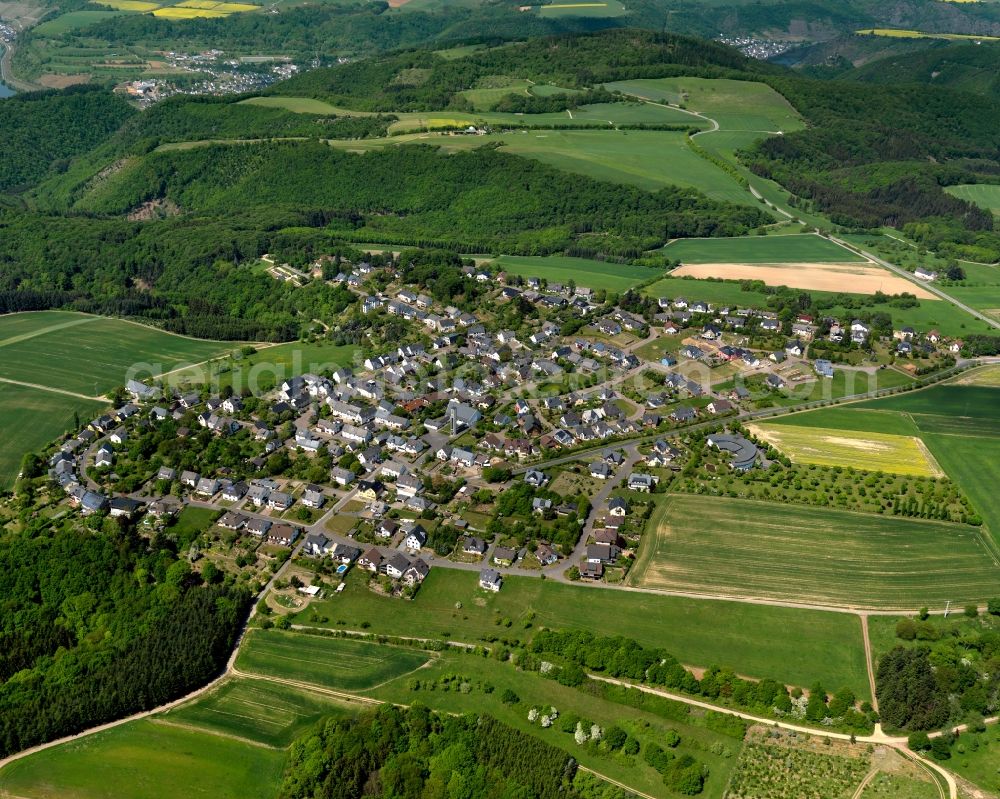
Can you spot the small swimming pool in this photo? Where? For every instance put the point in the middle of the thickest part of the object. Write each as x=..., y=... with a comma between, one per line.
x=342, y=568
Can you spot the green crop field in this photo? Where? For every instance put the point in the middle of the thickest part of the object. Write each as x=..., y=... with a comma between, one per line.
x=795, y=248
x=735, y=105
x=269, y=366
x=717, y=292
x=959, y=424
x=143, y=760
x=300, y=105
x=258, y=710
x=72, y=21
x=30, y=418
x=852, y=418
x=492, y=89
x=329, y=662
x=962, y=410
x=644, y=158
x=873, y=451
x=79, y=354
x=824, y=646
x=984, y=195
x=819, y=555
x=559, y=269
x=91, y=354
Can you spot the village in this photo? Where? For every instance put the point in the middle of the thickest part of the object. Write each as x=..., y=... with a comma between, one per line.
x=470, y=443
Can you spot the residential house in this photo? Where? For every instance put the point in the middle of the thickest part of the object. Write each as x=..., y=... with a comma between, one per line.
x=490, y=580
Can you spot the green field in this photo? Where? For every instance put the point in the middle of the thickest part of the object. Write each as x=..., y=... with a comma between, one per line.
x=91, y=354
x=735, y=105
x=648, y=159
x=601, y=8
x=72, y=21
x=872, y=451
x=816, y=555
x=853, y=418
x=30, y=418
x=79, y=354
x=146, y=760
x=960, y=424
x=980, y=290
x=603, y=115
x=258, y=710
x=329, y=662
x=984, y=195
x=560, y=269
x=797, y=248
x=298, y=105
x=269, y=366
x=824, y=646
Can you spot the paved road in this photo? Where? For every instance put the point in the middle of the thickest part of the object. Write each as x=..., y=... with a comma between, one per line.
x=909, y=276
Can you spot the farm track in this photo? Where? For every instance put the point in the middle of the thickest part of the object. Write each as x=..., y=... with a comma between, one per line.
x=40, y=387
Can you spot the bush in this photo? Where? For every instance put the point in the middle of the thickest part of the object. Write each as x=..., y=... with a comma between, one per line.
x=919, y=742
x=508, y=697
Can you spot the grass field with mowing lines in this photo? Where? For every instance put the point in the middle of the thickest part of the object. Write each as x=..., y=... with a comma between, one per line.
x=29, y=419
x=146, y=760
x=90, y=354
x=824, y=646
x=984, y=195
x=874, y=452
x=337, y=663
x=759, y=549
x=795, y=248
x=560, y=269
x=258, y=710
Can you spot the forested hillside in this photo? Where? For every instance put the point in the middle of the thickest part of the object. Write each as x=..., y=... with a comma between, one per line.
x=875, y=156
x=39, y=130
x=191, y=265
x=414, y=753
x=97, y=624
x=422, y=80
x=965, y=66
x=476, y=200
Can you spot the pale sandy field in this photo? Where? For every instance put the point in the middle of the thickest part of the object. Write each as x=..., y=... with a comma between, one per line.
x=854, y=278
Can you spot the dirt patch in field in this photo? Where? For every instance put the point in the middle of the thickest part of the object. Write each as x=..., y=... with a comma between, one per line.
x=62, y=81
x=853, y=278
x=986, y=376
x=397, y=3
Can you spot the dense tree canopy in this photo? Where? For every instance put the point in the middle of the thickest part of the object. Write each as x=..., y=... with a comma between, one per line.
x=413, y=753
x=97, y=623
x=41, y=129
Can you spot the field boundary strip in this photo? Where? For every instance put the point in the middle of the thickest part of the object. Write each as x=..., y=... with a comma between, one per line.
x=216, y=733
x=50, y=329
